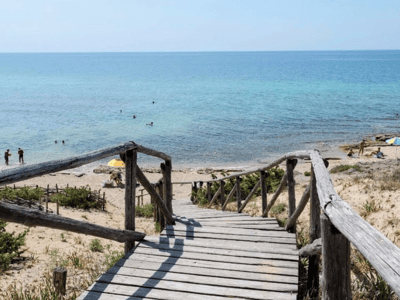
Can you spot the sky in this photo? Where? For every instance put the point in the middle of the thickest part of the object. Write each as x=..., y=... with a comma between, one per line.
x=198, y=25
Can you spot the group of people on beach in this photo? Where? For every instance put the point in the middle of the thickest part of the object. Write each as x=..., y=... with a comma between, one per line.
x=361, y=147
x=7, y=155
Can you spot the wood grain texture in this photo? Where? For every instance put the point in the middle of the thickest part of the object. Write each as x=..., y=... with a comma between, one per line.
x=130, y=190
x=264, y=191
x=299, y=209
x=276, y=195
x=249, y=196
x=31, y=217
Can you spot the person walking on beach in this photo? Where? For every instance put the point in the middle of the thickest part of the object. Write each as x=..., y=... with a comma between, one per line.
x=21, y=155
x=6, y=155
x=361, y=148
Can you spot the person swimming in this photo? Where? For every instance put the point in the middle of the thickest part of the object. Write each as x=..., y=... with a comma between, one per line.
x=63, y=142
x=134, y=116
x=55, y=142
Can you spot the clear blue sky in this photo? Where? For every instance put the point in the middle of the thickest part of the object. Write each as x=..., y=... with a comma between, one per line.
x=198, y=25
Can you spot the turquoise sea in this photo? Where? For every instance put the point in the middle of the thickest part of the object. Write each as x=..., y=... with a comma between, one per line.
x=210, y=108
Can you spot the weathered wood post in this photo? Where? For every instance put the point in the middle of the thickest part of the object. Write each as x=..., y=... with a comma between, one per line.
x=194, y=190
x=161, y=217
x=130, y=190
x=335, y=262
x=238, y=193
x=167, y=174
x=315, y=233
x=290, y=165
x=263, y=177
x=58, y=208
x=222, y=194
x=60, y=280
x=104, y=201
x=156, y=211
x=56, y=188
x=47, y=199
x=209, y=192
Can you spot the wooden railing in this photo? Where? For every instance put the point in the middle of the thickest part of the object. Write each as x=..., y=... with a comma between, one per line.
x=128, y=152
x=337, y=227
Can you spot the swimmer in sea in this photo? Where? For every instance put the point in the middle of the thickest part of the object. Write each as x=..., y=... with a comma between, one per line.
x=55, y=142
x=63, y=142
x=134, y=116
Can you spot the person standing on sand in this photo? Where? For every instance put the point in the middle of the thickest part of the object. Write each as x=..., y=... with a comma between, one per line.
x=21, y=155
x=361, y=148
x=6, y=155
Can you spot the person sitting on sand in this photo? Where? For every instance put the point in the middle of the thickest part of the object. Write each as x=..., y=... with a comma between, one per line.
x=378, y=153
x=21, y=155
x=361, y=148
x=350, y=153
x=116, y=176
x=6, y=155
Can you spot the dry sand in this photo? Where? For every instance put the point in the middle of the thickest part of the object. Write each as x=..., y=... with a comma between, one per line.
x=45, y=246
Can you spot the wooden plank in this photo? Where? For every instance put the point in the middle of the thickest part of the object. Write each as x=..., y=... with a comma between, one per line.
x=223, y=230
x=225, y=218
x=216, y=251
x=175, y=286
x=137, y=292
x=262, y=269
x=244, y=226
x=231, y=237
x=31, y=217
x=160, y=266
x=233, y=245
x=249, y=261
x=212, y=281
x=194, y=212
x=167, y=173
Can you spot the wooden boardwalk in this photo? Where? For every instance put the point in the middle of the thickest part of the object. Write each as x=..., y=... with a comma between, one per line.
x=208, y=254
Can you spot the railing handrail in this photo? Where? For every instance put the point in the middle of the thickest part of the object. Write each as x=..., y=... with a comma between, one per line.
x=383, y=255
x=29, y=171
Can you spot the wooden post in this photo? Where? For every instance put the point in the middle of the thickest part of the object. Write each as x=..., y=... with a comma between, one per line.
x=263, y=176
x=222, y=194
x=161, y=215
x=194, y=189
x=67, y=185
x=60, y=280
x=130, y=190
x=141, y=194
x=14, y=186
x=167, y=173
x=56, y=188
x=209, y=191
x=58, y=208
x=238, y=193
x=104, y=200
x=335, y=262
x=290, y=165
x=47, y=199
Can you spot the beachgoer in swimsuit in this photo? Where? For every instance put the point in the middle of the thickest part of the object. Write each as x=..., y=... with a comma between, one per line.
x=63, y=142
x=55, y=142
x=6, y=155
x=361, y=148
x=21, y=155
x=116, y=176
x=350, y=153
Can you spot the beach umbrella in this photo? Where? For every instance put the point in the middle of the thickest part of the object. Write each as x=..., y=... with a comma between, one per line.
x=394, y=141
x=116, y=163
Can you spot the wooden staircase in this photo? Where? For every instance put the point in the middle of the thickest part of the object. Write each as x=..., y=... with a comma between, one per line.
x=208, y=254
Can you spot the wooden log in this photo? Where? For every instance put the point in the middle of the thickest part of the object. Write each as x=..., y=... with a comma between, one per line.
x=56, y=188
x=161, y=217
x=335, y=263
x=215, y=197
x=167, y=173
x=31, y=217
x=58, y=208
x=299, y=209
x=130, y=190
x=60, y=280
x=276, y=195
x=238, y=193
x=47, y=200
x=313, y=249
x=291, y=183
x=147, y=185
x=222, y=193
x=253, y=191
x=29, y=171
x=229, y=197
x=263, y=177
x=209, y=191
x=104, y=200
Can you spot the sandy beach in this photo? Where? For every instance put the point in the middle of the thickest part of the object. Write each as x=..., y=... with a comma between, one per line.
x=46, y=247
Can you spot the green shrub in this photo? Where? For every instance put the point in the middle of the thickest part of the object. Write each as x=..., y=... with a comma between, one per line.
x=80, y=198
x=307, y=173
x=278, y=209
x=343, y=168
x=26, y=193
x=247, y=183
x=113, y=258
x=10, y=245
x=96, y=246
x=157, y=227
x=146, y=211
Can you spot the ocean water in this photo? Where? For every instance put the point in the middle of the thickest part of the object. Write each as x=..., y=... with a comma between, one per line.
x=222, y=108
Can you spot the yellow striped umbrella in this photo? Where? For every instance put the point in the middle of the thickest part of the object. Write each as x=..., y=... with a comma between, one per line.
x=394, y=141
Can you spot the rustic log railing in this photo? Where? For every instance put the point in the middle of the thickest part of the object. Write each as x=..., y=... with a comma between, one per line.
x=334, y=230
x=128, y=152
